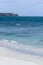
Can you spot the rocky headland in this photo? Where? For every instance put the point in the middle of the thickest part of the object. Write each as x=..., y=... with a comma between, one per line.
x=8, y=14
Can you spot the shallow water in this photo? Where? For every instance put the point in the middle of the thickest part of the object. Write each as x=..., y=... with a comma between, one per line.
x=24, y=34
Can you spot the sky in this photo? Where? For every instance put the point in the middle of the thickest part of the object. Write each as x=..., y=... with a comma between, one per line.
x=22, y=7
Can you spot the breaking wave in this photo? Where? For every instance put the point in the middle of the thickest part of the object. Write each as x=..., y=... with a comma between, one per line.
x=21, y=47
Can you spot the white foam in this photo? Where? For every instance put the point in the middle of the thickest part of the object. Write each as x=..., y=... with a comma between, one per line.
x=18, y=24
x=12, y=61
x=16, y=45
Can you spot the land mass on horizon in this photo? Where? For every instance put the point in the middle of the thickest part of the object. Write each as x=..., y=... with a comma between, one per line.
x=8, y=14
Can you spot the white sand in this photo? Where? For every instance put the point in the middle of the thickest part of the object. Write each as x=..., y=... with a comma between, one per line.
x=11, y=61
x=10, y=57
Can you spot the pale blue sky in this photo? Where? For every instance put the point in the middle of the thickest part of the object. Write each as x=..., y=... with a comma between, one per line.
x=22, y=7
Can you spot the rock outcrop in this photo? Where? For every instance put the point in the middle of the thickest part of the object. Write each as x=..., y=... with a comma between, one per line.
x=8, y=14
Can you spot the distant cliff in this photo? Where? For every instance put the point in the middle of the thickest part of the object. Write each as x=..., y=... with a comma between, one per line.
x=8, y=14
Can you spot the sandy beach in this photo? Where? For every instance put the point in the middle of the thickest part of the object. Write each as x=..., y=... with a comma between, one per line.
x=17, y=58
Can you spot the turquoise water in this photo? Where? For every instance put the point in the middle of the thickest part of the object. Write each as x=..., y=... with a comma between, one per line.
x=24, y=34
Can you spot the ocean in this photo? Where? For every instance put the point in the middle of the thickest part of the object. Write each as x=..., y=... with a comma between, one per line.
x=24, y=34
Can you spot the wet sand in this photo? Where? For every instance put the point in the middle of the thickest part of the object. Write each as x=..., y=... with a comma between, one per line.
x=17, y=58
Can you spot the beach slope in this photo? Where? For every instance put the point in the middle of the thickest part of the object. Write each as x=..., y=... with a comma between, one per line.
x=11, y=57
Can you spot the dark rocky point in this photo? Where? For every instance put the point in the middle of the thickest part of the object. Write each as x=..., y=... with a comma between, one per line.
x=8, y=14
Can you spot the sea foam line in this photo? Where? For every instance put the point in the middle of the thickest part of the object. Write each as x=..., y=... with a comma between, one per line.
x=21, y=47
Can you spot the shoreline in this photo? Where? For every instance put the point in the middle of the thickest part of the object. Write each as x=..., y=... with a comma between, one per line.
x=14, y=45
x=6, y=52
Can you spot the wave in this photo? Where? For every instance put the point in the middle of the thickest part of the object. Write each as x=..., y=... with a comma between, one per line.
x=15, y=45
